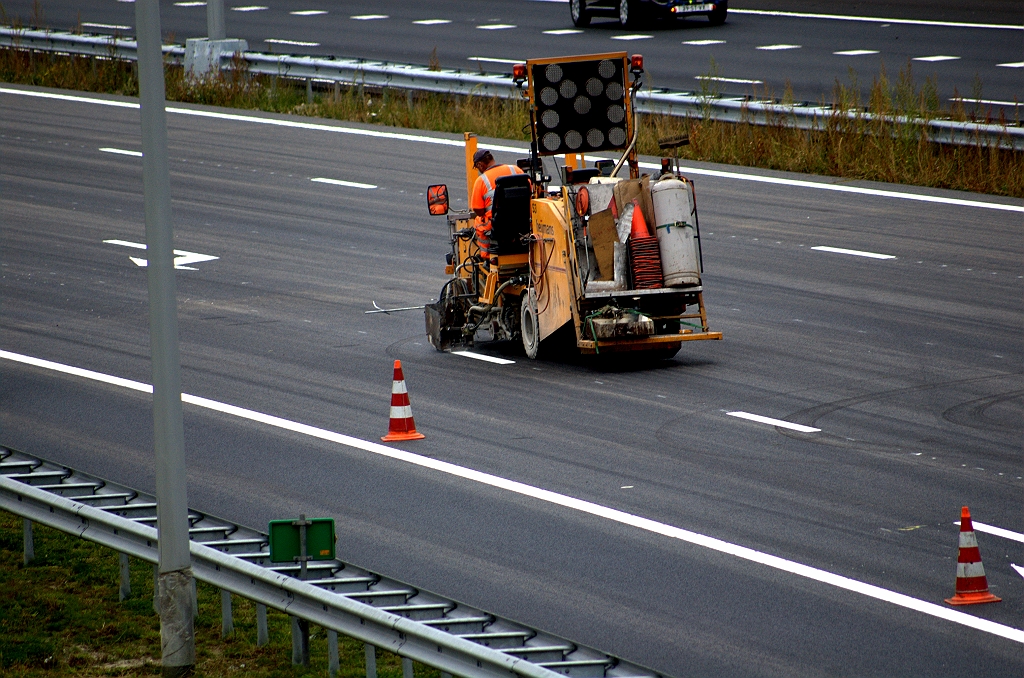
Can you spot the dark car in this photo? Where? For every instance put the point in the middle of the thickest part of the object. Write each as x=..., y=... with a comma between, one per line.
x=633, y=12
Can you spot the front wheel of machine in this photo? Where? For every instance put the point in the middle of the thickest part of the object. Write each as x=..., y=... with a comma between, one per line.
x=578, y=12
x=528, y=325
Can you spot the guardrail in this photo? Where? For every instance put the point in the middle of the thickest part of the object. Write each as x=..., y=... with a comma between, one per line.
x=804, y=115
x=414, y=624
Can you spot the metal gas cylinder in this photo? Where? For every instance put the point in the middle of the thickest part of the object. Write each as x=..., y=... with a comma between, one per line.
x=673, y=216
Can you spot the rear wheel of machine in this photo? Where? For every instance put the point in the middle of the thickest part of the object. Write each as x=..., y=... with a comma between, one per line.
x=578, y=12
x=528, y=325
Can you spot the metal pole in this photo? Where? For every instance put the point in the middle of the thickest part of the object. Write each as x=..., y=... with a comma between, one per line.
x=371, y=661
x=407, y=668
x=215, y=19
x=177, y=639
x=30, y=544
x=227, y=623
x=125, y=591
x=300, y=642
x=262, y=633
x=332, y=653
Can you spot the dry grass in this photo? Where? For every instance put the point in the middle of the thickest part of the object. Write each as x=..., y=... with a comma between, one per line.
x=859, y=147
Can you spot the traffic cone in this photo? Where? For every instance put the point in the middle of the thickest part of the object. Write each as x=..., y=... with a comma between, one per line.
x=638, y=228
x=971, y=583
x=401, y=426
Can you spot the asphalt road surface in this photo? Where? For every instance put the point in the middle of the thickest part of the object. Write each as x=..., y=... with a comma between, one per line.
x=751, y=53
x=910, y=366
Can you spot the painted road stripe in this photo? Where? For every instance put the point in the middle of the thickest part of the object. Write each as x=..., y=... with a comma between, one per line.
x=419, y=138
x=249, y=8
x=870, y=590
x=496, y=27
x=297, y=43
x=775, y=48
x=937, y=57
x=632, y=36
x=997, y=531
x=739, y=81
x=856, y=253
x=485, y=358
x=495, y=60
x=701, y=43
x=774, y=422
x=563, y=31
x=121, y=151
x=339, y=182
x=874, y=19
x=856, y=52
x=1012, y=64
x=990, y=102
x=1018, y=568
x=309, y=12
x=368, y=17
x=190, y=4
x=432, y=22
x=109, y=27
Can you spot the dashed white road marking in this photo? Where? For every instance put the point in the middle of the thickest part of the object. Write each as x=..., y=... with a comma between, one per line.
x=432, y=22
x=308, y=12
x=856, y=52
x=632, y=36
x=702, y=43
x=190, y=4
x=554, y=498
x=249, y=8
x=121, y=151
x=339, y=182
x=774, y=422
x=991, y=102
x=855, y=253
x=740, y=81
x=1018, y=568
x=458, y=143
x=775, y=48
x=1012, y=64
x=563, y=31
x=937, y=57
x=997, y=531
x=299, y=43
x=495, y=60
x=368, y=17
x=485, y=358
x=874, y=19
x=495, y=27
x=109, y=27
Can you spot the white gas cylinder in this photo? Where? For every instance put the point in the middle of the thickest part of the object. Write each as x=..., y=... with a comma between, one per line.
x=674, y=218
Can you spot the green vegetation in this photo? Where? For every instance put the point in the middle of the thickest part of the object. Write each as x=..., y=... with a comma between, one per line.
x=855, y=148
x=60, y=616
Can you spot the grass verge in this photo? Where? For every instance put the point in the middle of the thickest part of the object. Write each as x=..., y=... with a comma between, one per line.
x=857, y=148
x=60, y=616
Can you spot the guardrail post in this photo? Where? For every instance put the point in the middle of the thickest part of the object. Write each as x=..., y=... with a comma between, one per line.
x=337, y=91
x=156, y=589
x=333, y=665
x=445, y=675
x=195, y=600
x=262, y=635
x=309, y=90
x=227, y=623
x=300, y=642
x=371, y=661
x=406, y=667
x=30, y=545
x=125, y=591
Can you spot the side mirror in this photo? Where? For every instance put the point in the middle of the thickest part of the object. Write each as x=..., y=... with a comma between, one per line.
x=437, y=199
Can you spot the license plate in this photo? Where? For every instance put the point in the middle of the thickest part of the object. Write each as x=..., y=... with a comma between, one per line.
x=694, y=8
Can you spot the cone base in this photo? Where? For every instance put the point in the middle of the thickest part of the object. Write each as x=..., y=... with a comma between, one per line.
x=973, y=598
x=396, y=435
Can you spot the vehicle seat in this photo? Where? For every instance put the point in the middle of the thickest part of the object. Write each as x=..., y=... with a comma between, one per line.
x=510, y=214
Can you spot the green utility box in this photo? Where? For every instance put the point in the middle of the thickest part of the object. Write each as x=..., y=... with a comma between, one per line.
x=285, y=539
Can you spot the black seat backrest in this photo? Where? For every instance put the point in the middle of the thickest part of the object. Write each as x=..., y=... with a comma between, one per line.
x=510, y=214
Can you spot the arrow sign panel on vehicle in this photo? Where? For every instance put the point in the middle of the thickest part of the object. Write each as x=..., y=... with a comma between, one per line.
x=182, y=259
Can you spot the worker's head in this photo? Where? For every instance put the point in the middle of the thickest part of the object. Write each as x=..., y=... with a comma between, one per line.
x=482, y=160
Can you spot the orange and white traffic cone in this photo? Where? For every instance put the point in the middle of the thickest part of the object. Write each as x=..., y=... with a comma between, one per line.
x=971, y=582
x=401, y=426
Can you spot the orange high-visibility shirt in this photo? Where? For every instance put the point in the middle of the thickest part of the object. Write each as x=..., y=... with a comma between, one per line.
x=483, y=189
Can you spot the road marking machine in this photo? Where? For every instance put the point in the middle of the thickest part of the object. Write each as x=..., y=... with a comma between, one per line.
x=602, y=262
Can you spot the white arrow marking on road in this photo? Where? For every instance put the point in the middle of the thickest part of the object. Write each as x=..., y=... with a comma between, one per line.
x=485, y=358
x=856, y=253
x=1020, y=570
x=182, y=258
x=774, y=422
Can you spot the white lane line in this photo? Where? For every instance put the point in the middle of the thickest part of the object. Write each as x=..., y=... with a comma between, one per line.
x=419, y=138
x=496, y=60
x=991, y=102
x=874, y=19
x=495, y=27
x=856, y=253
x=1018, y=568
x=121, y=151
x=856, y=52
x=485, y=358
x=937, y=57
x=309, y=12
x=563, y=31
x=299, y=43
x=432, y=22
x=109, y=27
x=774, y=422
x=997, y=531
x=716, y=78
x=249, y=8
x=632, y=36
x=701, y=43
x=1012, y=64
x=190, y=4
x=775, y=48
x=806, y=571
x=339, y=182
x=368, y=17
x=126, y=243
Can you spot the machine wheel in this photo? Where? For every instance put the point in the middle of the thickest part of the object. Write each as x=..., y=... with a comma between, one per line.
x=578, y=12
x=629, y=13
x=717, y=17
x=662, y=353
x=529, y=326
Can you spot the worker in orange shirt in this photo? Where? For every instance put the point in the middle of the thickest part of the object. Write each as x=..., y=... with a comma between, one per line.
x=483, y=195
